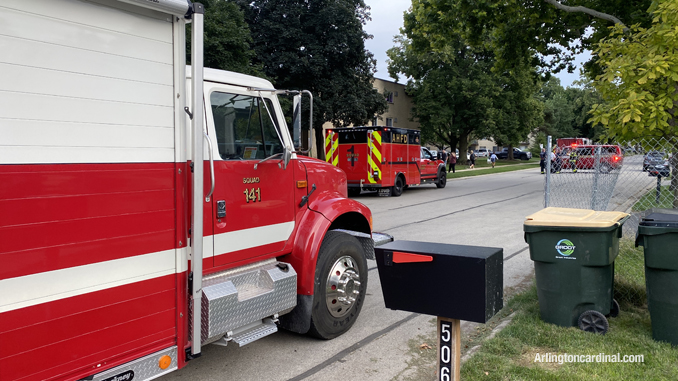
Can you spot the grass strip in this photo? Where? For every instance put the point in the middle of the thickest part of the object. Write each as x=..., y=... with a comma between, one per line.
x=511, y=355
x=486, y=169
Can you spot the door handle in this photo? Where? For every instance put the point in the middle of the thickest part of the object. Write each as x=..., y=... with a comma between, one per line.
x=209, y=149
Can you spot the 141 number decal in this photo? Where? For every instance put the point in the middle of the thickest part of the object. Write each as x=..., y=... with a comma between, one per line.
x=253, y=195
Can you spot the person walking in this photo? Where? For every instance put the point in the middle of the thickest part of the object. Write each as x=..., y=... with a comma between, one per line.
x=472, y=158
x=493, y=159
x=453, y=161
x=542, y=160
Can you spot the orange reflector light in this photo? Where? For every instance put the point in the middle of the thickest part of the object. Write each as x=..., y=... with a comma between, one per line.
x=164, y=362
x=370, y=222
x=302, y=184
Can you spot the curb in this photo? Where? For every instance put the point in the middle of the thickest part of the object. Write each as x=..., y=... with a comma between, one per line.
x=492, y=334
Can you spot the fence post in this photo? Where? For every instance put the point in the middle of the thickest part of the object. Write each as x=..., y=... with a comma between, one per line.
x=548, y=173
x=596, y=168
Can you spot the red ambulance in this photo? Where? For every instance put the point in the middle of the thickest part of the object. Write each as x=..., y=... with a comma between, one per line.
x=384, y=159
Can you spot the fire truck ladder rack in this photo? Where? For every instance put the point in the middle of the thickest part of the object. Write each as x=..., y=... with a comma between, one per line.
x=242, y=305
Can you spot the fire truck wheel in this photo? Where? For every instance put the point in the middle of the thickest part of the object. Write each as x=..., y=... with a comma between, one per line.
x=397, y=188
x=442, y=179
x=340, y=285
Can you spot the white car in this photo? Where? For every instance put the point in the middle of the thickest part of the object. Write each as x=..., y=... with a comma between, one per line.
x=482, y=152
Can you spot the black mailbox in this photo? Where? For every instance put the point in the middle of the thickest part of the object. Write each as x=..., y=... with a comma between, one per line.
x=452, y=281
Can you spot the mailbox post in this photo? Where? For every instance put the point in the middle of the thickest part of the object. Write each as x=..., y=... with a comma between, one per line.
x=452, y=282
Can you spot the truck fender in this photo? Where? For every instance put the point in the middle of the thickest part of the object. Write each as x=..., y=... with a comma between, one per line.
x=326, y=212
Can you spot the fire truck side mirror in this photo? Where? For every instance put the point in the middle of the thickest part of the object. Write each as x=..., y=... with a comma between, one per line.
x=296, y=122
x=287, y=156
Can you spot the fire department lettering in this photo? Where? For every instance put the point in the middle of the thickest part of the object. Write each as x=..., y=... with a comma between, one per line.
x=250, y=180
x=399, y=138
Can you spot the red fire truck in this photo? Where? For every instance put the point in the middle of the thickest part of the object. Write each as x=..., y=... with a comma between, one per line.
x=380, y=158
x=572, y=142
x=140, y=222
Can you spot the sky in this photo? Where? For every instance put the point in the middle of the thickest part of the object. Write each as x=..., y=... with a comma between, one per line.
x=387, y=19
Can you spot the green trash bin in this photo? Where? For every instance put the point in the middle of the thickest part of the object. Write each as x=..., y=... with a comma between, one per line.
x=658, y=234
x=573, y=252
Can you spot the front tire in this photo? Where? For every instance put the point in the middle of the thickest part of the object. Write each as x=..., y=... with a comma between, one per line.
x=340, y=285
x=442, y=179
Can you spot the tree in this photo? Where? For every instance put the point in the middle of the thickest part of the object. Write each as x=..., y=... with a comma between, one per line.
x=318, y=46
x=452, y=91
x=457, y=95
x=529, y=31
x=517, y=111
x=639, y=82
x=227, y=39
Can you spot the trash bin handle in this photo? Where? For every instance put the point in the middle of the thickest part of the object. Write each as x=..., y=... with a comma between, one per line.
x=620, y=223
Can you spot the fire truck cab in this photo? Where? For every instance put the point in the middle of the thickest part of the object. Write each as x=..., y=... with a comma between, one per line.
x=150, y=208
x=385, y=159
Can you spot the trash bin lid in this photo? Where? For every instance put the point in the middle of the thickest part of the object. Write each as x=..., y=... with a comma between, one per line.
x=577, y=218
x=667, y=220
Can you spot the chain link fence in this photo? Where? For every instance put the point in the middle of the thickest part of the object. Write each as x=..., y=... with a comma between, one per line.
x=633, y=177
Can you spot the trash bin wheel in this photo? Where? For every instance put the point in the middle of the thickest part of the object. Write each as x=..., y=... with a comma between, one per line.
x=340, y=285
x=593, y=321
x=614, y=309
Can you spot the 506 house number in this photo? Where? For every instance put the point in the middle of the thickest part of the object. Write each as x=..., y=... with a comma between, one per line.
x=445, y=351
x=253, y=195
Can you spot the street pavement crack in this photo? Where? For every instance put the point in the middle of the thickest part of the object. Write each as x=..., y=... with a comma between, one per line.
x=454, y=197
x=460, y=211
x=353, y=348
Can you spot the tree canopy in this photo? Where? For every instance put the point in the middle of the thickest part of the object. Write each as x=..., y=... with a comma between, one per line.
x=639, y=82
x=228, y=43
x=531, y=30
x=318, y=46
x=457, y=96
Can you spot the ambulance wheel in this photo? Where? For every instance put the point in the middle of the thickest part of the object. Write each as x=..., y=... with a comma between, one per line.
x=397, y=188
x=353, y=192
x=593, y=321
x=340, y=285
x=442, y=179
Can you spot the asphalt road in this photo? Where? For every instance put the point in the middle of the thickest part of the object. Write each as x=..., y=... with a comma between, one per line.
x=483, y=211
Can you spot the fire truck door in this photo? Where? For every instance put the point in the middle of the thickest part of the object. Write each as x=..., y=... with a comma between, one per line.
x=253, y=197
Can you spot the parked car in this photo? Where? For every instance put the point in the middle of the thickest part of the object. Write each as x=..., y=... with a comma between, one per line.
x=652, y=159
x=482, y=152
x=663, y=169
x=517, y=154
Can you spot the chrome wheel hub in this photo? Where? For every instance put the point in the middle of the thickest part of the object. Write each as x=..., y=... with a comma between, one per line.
x=343, y=286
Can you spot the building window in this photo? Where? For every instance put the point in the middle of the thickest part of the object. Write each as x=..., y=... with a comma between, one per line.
x=389, y=122
x=389, y=97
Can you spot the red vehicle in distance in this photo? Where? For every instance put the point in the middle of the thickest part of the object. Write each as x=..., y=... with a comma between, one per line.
x=384, y=159
x=610, y=157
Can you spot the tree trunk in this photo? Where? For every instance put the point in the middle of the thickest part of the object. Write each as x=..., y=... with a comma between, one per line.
x=463, y=148
x=510, y=152
x=319, y=142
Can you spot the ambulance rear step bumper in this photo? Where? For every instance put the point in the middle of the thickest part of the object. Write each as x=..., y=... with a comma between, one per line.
x=242, y=297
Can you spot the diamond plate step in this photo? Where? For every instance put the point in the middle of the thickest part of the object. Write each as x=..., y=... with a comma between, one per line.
x=266, y=328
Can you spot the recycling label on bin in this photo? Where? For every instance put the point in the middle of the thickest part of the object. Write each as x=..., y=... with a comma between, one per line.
x=565, y=249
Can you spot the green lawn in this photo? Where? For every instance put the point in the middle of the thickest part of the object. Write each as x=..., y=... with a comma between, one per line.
x=511, y=354
x=483, y=168
x=649, y=200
